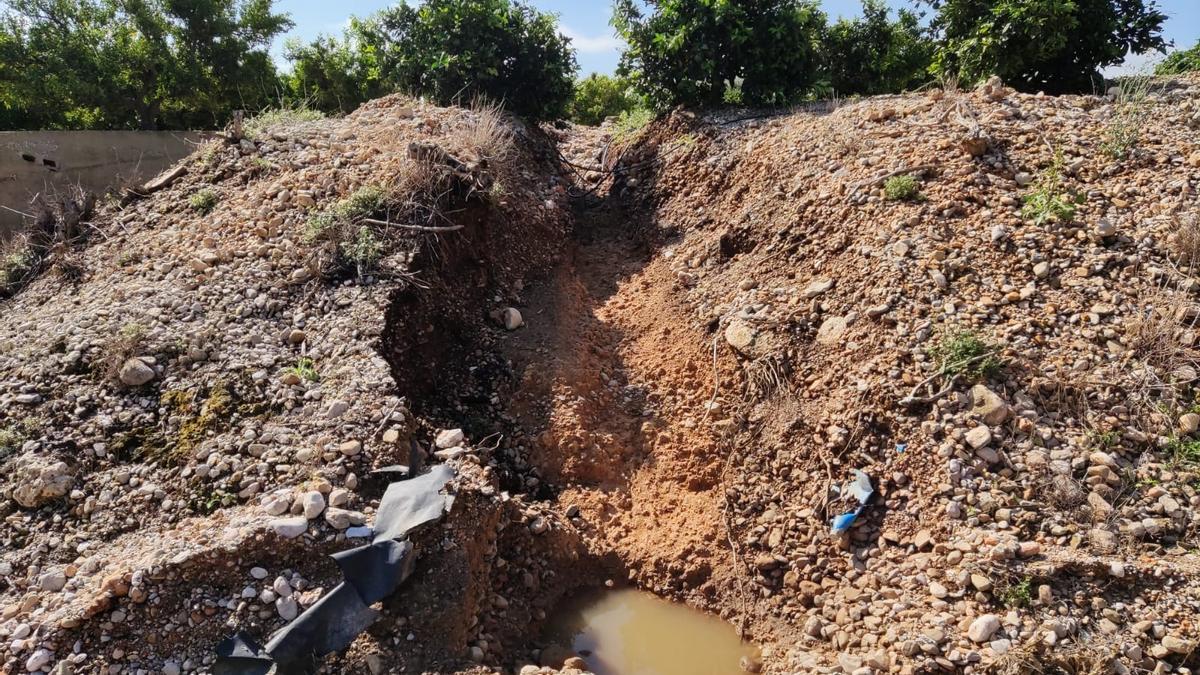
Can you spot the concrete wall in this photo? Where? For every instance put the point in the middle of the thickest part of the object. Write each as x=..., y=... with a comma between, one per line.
x=33, y=162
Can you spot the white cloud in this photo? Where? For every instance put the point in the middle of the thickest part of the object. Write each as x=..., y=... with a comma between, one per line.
x=588, y=44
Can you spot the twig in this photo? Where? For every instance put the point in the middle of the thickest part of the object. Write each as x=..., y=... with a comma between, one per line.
x=912, y=397
x=19, y=213
x=419, y=228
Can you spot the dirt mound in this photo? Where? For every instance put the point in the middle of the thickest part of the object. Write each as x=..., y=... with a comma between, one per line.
x=656, y=361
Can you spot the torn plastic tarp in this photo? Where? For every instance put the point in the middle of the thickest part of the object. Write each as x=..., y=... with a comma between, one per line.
x=371, y=572
x=860, y=489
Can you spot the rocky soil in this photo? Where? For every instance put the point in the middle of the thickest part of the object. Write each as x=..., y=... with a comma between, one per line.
x=655, y=363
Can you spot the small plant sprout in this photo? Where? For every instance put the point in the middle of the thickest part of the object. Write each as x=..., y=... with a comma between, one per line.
x=203, y=201
x=305, y=369
x=1049, y=201
x=901, y=188
x=965, y=353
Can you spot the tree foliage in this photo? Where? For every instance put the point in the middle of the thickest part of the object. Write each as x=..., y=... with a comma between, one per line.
x=1180, y=61
x=600, y=96
x=691, y=51
x=1053, y=45
x=448, y=50
x=872, y=55
x=124, y=64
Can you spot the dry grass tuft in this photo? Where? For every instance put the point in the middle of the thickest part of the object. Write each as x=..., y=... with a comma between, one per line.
x=124, y=345
x=1086, y=657
x=1184, y=243
x=488, y=134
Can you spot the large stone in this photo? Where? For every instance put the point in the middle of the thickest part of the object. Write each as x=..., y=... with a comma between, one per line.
x=341, y=519
x=816, y=288
x=988, y=405
x=290, y=528
x=135, y=372
x=741, y=336
x=832, y=330
x=983, y=628
x=511, y=316
x=449, y=438
x=39, y=480
x=979, y=437
x=312, y=503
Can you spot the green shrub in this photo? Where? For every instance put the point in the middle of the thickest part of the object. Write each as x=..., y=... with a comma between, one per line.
x=901, y=188
x=962, y=352
x=691, y=51
x=1049, y=201
x=598, y=97
x=1017, y=595
x=1184, y=452
x=630, y=123
x=1053, y=45
x=203, y=201
x=872, y=55
x=448, y=50
x=1177, y=62
x=17, y=260
x=363, y=249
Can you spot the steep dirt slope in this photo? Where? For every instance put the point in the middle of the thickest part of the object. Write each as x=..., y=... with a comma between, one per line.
x=1040, y=510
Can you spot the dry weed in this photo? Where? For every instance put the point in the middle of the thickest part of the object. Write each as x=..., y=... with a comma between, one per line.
x=124, y=345
x=1086, y=657
x=1184, y=243
x=488, y=135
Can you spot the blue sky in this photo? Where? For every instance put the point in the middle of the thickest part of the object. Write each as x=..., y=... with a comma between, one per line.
x=586, y=22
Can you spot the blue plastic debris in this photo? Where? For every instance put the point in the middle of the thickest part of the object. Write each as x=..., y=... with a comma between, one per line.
x=901, y=447
x=861, y=490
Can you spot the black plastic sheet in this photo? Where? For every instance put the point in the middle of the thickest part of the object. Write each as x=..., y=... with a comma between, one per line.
x=371, y=573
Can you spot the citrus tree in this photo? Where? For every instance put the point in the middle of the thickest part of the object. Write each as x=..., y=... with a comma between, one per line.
x=692, y=51
x=1053, y=45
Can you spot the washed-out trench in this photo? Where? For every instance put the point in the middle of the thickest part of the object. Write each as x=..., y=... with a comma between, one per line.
x=604, y=404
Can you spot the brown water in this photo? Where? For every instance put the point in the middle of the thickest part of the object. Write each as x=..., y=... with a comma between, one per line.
x=631, y=632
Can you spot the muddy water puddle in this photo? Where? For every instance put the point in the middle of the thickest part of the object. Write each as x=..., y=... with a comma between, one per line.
x=631, y=632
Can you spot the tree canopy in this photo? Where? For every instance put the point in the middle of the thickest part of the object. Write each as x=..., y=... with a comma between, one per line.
x=873, y=55
x=692, y=51
x=134, y=64
x=1053, y=45
x=448, y=50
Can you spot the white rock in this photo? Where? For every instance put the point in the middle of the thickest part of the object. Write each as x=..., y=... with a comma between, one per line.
x=339, y=497
x=38, y=659
x=281, y=587
x=512, y=318
x=290, y=528
x=449, y=438
x=979, y=437
x=312, y=504
x=340, y=519
x=983, y=628
x=287, y=608
x=135, y=372
x=39, y=480
x=258, y=573
x=53, y=581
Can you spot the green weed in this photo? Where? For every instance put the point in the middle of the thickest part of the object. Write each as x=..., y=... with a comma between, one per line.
x=273, y=119
x=1017, y=595
x=364, y=249
x=305, y=369
x=901, y=188
x=965, y=353
x=1124, y=130
x=1049, y=201
x=629, y=123
x=203, y=201
x=1184, y=453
